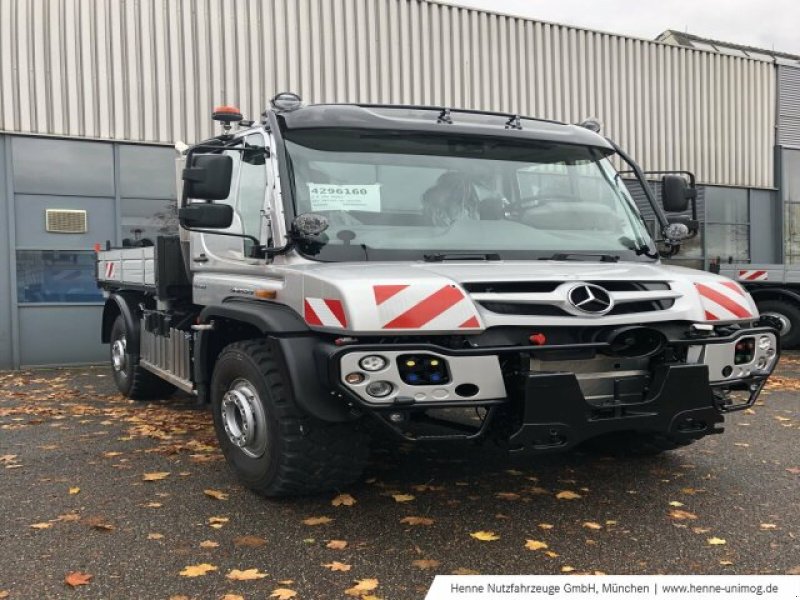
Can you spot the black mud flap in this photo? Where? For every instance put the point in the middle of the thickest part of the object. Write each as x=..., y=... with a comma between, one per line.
x=556, y=417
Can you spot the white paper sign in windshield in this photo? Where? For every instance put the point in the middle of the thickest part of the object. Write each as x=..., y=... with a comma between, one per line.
x=327, y=196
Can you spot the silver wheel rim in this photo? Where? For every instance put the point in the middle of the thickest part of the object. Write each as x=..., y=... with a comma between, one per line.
x=118, y=354
x=243, y=418
x=786, y=324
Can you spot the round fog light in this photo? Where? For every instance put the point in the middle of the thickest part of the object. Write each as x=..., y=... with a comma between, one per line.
x=354, y=378
x=373, y=362
x=764, y=342
x=379, y=389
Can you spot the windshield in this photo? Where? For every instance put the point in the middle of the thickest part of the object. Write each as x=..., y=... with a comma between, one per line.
x=404, y=196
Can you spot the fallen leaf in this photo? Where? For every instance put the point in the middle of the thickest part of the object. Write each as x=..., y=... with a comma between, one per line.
x=343, y=500
x=485, y=536
x=417, y=520
x=726, y=563
x=74, y=490
x=768, y=526
x=232, y=597
x=676, y=504
x=155, y=476
x=77, y=578
x=794, y=470
x=715, y=541
x=463, y=571
x=741, y=444
x=507, y=496
x=568, y=495
x=217, y=522
x=535, y=545
x=42, y=525
x=197, y=570
x=337, y=566
x=209, y=544
x=98, y=523
x=592, y=525
x=691, y=491
x=782, y=419
x=4, y=594
x=682, y=515
x=283, y=594
x=249, y=541
x=425, y=564
x=793, y=570
x=336, y=545
x=155, y=536
x=216, y=494
x=544, y=526
x=567, y=569
x=246, y=575
x=551, y=554
x=403, y=497
x=153, y=505
x=700, y=530
x=361, y=586
x=317, y=520
x=69, y=517
x=286, y=582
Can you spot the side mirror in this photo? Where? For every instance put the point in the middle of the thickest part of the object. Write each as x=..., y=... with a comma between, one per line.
x=675, y=193
x=208, y=176
x=205, y=216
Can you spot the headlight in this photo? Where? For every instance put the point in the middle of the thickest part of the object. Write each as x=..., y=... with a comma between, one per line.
x=373, y=362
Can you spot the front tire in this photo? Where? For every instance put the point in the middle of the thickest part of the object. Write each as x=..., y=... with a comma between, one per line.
x=272, y=445
x=133, y=381
x=789, y=316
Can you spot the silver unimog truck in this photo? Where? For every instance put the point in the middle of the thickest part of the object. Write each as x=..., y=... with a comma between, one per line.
x=430, y=273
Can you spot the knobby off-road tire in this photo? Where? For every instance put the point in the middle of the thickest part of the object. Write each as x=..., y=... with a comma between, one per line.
x=133, y=380
x=635, y=443
x=274, y=447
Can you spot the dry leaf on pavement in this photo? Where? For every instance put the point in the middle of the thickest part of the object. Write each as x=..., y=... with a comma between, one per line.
x=317, y=520
x=682, y=515
x=197, y=570
x=715, y=541
x=567, y=569
x=403, y=497
x=361, y=586
x=155, y=536
x=343, y=500
x=209, y=544
x=568, y=495
x=216, y=494
x=425, y=564
x=217, y=522
x=535, y=545
x=155, y=476
x=249, y=541
x=74, y=490
x=245, y=575
x=336, y=545
x=485, y=536
x=417, y=521
x=592, y=525
x=77, y=578
x=283, y=594
x=337, y=566
x=232, y=597
x=44, y=525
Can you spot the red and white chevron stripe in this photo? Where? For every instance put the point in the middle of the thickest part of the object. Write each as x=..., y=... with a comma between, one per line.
x=723, y=301
x=429, y=306
x=754, y=275
x=325, y=312
x=109, y=270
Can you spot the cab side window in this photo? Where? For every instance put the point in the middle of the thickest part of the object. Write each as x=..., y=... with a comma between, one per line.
x=252, y=186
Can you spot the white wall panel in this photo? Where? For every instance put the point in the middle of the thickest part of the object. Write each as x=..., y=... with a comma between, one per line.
x=151, y=70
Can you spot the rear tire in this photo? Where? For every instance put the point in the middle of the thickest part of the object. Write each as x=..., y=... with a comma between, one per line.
x=132, y=380
x=272, y=445
x=635, y=443
x=789, y=314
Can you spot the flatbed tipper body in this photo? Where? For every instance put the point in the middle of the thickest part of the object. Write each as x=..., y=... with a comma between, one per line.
x=347, y=271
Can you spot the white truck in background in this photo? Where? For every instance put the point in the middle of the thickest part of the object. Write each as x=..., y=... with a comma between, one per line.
x=342, y=267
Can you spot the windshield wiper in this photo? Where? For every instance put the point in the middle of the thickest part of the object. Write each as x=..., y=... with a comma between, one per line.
x=640, y=247
x=582, y=256
x=460, y=256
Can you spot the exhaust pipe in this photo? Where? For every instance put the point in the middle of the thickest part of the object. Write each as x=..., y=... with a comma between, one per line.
x=632, y=341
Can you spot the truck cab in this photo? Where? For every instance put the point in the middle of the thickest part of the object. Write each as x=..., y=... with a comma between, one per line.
x=346, y=271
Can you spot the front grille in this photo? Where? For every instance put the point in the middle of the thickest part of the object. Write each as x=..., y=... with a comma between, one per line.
x=509, y=306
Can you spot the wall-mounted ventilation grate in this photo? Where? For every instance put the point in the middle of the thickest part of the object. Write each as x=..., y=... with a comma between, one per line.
x=65, y=221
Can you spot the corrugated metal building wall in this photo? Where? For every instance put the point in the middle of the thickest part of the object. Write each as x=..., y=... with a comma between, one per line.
x=151, y=70
x=789, y=105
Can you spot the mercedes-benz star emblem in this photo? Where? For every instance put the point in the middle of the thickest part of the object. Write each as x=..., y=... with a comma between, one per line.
x=590, y=298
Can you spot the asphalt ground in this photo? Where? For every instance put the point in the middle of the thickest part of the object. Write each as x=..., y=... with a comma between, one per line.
x=74, y=457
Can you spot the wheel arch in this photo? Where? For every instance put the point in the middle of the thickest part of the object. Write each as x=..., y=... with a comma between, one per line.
x=775, y=293
x=125, y=304
x=239, y=320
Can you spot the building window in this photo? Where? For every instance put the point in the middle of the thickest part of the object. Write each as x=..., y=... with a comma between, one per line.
x=728, y=224
x=62, y=276
x=791, y=195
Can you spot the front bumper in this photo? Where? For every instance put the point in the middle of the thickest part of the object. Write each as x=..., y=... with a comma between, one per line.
x=686, y=400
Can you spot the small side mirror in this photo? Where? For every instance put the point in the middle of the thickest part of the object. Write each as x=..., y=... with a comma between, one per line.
x=205, y=216
x=208, y=176
x=309, y=225
x=675, y=193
